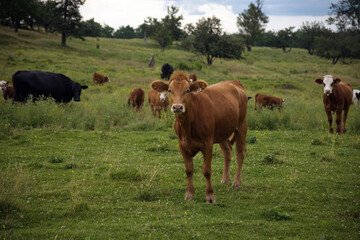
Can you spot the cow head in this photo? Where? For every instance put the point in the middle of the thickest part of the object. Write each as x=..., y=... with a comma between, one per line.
x=192, y=77
x=76, y=89
x=107, y=79
x=328, y=83
x=163, y=96
x=180, y=89
x=3, y=86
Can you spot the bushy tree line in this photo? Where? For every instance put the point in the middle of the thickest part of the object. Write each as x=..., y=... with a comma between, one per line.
x=206, y=37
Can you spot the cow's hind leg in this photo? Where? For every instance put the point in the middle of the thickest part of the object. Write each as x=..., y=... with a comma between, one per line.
x=226, y=148
x=240, y=137
x=338, y=121
x=344, y=119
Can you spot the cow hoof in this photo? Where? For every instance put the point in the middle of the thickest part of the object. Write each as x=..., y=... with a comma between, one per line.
x=210, y=199
x=236, y=185
x=189, y=196
x=225, y=181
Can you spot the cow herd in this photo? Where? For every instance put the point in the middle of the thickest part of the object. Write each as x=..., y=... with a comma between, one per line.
x=204, y=114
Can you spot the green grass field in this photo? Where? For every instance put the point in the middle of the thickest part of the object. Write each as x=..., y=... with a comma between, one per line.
x=98, y=170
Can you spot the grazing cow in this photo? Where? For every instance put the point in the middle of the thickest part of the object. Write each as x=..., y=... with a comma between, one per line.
x=215, y=115
x=166, y=70
x=7, y=91
x=356, y=96
x=37, y=83
x=337, y=97
x=192, y=77
x=100, y=79
x=137, y=96
x=157, y=102
x=262, y=100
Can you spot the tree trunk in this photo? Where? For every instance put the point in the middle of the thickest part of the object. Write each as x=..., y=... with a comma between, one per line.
x=248, y=48
x=335, y=60
x=63, y=39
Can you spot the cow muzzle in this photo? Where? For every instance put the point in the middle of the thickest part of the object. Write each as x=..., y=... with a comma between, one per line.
x=327, y=92
x=178, y=108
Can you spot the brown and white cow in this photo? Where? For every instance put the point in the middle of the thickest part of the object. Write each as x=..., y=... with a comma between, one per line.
x=205, y=118
x=262, y=100
x=337, y=97
x=100, y=79
x=158, y=102
x=137, y=97
x=7, y=91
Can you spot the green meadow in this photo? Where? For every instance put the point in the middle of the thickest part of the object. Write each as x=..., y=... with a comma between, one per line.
x=99, y=170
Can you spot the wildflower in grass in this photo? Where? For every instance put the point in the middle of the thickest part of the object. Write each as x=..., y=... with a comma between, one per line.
x=185, y=213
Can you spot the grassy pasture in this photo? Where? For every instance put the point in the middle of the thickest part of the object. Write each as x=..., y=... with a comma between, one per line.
x=98, y=170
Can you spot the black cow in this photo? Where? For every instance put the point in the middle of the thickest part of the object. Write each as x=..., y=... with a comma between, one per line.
x=166, y=70
x=46, y=84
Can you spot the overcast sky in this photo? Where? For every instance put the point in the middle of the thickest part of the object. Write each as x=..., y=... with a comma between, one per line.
x=281, y=13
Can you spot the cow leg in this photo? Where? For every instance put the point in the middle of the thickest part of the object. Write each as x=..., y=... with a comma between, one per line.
x=210, y=198
x=226, y=151
x=240, y=137
x=189, y=169
x=344, y=119
x=338, y=121
x=329, y=116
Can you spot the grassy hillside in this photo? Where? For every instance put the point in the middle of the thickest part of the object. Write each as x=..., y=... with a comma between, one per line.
x=98, y=170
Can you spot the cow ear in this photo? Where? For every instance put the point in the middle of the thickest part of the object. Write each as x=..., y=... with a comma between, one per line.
x=319, y=81
x=159, y=86
x=198, y=85
x=337, y=80
x=84, y=87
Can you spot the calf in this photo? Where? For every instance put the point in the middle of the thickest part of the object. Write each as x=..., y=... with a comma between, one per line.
x=166, y=70
x=7, y=91
x=157, y=102
x=137, y=96
x=356, y=96
x=215, y=115
x=100, y=79
x=337, y=97
x=262, y=100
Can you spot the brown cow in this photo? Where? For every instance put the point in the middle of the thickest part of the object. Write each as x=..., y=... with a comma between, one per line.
x=262, y=100
x=192, y=77
x=137, y=96
x=157, y=102
x=205, y=118
x=337, y=97
x=100, y=79
x=7, y=91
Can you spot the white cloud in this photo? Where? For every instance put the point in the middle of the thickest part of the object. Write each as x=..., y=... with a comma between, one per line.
x=134, y=12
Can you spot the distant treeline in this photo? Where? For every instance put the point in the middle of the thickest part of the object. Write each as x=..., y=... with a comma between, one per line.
x=205, y=37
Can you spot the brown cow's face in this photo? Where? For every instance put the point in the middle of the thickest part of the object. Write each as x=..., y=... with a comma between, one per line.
x=179, y=90
x=3, y=86
x=328, y=83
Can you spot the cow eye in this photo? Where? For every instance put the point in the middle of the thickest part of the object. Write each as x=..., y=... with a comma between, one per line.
x=187, y=91
x=169, y=91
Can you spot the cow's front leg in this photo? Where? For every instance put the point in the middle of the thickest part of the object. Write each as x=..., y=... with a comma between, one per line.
x=329, y=116
x=210, y=198
x=189, y=169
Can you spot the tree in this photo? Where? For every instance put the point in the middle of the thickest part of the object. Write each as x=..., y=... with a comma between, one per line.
x=208, y=40
x=107, y=31
x=92, y=28
x=173, y=23
x=307, y=33
x=163, y=36
x=125, y=32
x=346, y=15
x=251, y=23
x=68, y=18
x=284, y=39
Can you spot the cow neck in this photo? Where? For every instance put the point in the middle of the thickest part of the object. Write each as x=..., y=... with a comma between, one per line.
x=184, y=120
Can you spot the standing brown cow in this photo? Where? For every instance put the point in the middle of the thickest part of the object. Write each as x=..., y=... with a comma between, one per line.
x=100, y=79
x=205, y=118
x=262, y=100
x=7, y=91
x=157, y=102
x=337, y=97
x=137, y=96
